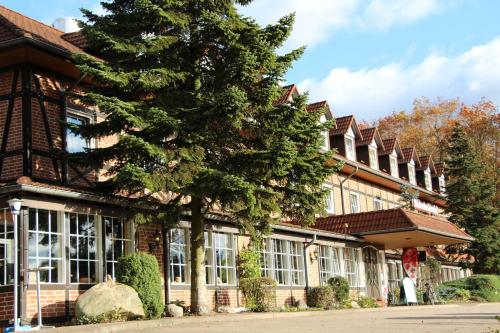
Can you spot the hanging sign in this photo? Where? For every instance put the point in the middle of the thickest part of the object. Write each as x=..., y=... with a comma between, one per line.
x=410, y=263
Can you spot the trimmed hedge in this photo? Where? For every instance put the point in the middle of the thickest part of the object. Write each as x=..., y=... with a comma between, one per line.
x=260, y=293
x=321, y=297
x=340, y=287
x=141, y=271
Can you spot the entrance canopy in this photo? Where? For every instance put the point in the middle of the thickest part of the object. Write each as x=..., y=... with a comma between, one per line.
x=396, y=228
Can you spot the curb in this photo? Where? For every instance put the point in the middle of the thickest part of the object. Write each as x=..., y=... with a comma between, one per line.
x=214, y=318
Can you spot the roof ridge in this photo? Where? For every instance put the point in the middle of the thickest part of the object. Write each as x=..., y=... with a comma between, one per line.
x=29, y=18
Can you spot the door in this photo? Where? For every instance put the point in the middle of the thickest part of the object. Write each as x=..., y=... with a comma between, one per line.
x=371, y=271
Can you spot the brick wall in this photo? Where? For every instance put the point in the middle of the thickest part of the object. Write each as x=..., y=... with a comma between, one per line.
x=52, y=301
x=6, y=305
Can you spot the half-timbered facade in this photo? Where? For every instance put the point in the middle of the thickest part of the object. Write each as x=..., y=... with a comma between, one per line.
x=68, y=226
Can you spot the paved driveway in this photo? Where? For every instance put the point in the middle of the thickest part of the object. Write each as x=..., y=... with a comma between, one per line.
x=467, y=318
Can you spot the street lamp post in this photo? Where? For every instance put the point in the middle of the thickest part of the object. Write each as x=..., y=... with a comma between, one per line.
x=15, y=209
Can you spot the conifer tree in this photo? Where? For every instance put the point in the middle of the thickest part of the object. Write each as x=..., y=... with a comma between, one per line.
x=190, y=90
x=470, y=202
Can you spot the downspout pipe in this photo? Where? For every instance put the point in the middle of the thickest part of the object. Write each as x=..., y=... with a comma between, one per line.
x=306, y=271
x=342, y=200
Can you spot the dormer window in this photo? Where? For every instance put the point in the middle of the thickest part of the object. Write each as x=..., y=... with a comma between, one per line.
x=442, y=187
x=349, y=148
x=325, y=136
x=427, y=179
x=394, y=165
x=372, y=151
x=411, y=173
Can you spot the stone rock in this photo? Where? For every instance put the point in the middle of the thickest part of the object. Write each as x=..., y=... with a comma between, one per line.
x=174, y=311
x=227, y=309
x=355, y=305
x=109, y=296
x=301, y=305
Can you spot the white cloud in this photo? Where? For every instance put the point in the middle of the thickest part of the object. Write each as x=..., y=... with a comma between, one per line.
x=369, y=93
x=383, y=14
x=316, y=20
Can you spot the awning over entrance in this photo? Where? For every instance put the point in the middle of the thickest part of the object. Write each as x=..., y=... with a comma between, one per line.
x=396, y=228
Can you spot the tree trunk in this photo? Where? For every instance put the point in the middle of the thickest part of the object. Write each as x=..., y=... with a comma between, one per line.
x=199, y=305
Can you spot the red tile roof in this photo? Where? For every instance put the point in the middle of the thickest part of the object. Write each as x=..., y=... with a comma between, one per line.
x=389, y=146
x=426, y=162
x=439, y=168
x=390, y=220
x=23, y=26
x=288, y=92
x=316, y=106
x=342, y=125
x=408, y=154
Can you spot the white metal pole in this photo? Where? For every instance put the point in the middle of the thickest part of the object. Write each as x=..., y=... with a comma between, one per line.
x=16, y=273
x=38, y=303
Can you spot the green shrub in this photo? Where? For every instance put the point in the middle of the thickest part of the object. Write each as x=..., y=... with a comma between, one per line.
x=480, y=286
x=108, y=317
x=340, y=287
x=248, y=263
x=260, y=293
x=321, y=297
x=140, y=271
x=453, y=294
x=366, y=302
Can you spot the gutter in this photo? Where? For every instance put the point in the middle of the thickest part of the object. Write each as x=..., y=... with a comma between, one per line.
x=317, y=233
x=38, y=44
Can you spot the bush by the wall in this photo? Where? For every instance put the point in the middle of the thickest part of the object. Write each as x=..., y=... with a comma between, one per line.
x=340, y=287
x=366, y=302
x=140, y=271
x=485, y=287
x=248, y=263
x=260, y=293
x=321, y=297
x=453, y=294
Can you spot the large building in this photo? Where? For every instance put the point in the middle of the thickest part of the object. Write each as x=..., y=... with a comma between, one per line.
x=79, y=233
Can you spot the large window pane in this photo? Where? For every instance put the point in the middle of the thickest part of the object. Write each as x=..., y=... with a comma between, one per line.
x=224, y=258
x=83, y=246
x=75, y=143
x=117, y=242
x=45, y=244
x=351, y=266
x=6, y=247
x=178, y=258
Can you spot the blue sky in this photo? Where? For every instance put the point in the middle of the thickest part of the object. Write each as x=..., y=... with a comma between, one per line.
x=371, y=57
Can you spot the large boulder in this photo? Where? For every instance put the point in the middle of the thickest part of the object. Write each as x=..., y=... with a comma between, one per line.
x=174, y=311
x=109, y=296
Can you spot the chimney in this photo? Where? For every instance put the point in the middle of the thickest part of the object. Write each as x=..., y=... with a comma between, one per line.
x=66, y=24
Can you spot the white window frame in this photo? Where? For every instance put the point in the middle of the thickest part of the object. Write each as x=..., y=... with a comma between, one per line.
x=350, y=150
x=224, y=270
x=82, y=218
x=85, y=119
x=411, y=173
x=7, y=247
x=326, y=136
x=36, y=258
x=442, y=186
x=372, y=150
x=393, y=165
x=329, y=199
x=378, y=201
x=330, y=263
x=428, y=179
x=179, y=244
x=351, y=275
x=292, y=271
x=354, y=208
x=124, y=241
